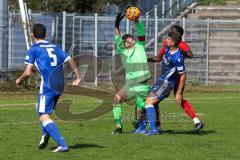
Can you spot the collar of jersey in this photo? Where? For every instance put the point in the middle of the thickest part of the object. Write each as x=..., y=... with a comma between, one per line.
x=42, y=41
x=173, y=52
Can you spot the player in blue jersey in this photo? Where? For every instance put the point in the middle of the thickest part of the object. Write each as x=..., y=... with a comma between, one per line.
x=49, y=59
x=186, y=106
x=172, y=78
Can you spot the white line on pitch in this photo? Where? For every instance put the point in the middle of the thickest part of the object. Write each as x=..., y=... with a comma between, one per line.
x=100, y=101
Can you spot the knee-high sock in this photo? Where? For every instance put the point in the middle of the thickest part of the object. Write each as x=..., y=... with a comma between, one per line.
x=151, y=115
x=44, y=132
x=190, y=111
x=53, y=131
x=117, y=112
x=143, y=121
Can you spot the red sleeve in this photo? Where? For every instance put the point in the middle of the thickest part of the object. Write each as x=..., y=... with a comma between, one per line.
x=184, y=46
x=162, y=51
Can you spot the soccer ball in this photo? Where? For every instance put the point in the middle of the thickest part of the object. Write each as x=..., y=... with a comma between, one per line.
x=133, y=13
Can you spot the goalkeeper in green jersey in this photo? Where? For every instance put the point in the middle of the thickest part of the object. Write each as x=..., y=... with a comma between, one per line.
x=137, y=73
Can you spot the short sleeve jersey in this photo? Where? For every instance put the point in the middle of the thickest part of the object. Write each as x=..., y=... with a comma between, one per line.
x=49, y=59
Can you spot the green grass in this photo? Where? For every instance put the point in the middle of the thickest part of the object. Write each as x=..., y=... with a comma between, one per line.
x=91, y=140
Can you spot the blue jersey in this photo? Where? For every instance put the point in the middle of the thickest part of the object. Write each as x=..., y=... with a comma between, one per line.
x=49, y=60
x=172, y=65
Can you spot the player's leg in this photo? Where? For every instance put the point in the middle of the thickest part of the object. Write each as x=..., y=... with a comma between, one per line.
x=141, y=92
x=137, y=117
x=45, y=107
x=120, y=96
x=159, y=91
x=45, y=136
x=192, y=114
x=151, y=113
x=141, y=115
x=189, y=110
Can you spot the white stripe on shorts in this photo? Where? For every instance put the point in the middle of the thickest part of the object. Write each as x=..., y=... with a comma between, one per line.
x=42, y=104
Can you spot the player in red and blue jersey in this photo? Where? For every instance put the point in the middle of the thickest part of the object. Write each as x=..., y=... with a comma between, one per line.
x=172, y=78
x=187, y=53
x=49, y=59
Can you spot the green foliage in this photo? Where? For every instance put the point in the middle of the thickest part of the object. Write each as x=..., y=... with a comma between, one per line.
x=78, y=6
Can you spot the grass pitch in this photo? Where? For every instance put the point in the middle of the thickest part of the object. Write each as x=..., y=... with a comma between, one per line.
x=90, y=140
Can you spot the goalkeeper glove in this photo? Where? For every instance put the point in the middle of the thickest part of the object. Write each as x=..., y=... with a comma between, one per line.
x=118, y=19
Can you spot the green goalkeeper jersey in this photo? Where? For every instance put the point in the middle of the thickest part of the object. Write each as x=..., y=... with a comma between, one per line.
x=134, y=60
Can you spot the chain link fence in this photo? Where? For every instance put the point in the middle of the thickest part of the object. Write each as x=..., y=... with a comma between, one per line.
x=94, y=35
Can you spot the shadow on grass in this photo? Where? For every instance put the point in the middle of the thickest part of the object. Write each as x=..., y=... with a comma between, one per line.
x=189, y=132
x=84, y=145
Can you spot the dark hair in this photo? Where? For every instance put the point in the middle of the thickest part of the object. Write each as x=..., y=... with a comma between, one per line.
x=175, y=36
x=126, y=36
x=39, y=31
x=178, y=29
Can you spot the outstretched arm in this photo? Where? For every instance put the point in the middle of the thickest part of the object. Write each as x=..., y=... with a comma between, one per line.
x=26, y=73
x=157, y=58
x=140, y=32
x=118, y=19
x=117, y=38
x=117, y=31
x=76, y=71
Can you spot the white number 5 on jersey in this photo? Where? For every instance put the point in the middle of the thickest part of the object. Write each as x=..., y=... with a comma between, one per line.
x=51, y=55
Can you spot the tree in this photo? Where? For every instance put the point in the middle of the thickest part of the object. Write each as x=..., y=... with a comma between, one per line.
x=78, y=6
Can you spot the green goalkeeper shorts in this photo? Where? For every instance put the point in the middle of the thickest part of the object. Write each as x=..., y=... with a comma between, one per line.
x=137, y=90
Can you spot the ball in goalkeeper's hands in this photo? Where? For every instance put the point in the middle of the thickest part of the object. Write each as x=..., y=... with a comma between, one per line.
x=133, y=13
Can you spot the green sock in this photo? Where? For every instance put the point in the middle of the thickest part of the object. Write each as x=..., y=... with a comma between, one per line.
x=140, y=103
x=117, y=111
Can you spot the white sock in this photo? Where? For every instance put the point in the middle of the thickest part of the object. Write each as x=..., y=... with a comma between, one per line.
x=196, y=120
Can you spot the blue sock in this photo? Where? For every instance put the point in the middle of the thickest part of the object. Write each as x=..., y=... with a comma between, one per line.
x=151, y=115
x=52, y=130
x=44, y=132
x=142, y=125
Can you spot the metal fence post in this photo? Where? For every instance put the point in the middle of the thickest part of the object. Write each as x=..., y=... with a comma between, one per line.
x=10, y=41
x=155, y=40
x=53, y=30
x=170, y=7
x=147, y=24
x=113, y=59
x=64, y=31
x=163, y=8
x=207, y=63
x=57, y=24
x=184, y=27
x=127, y=26
x=178, y=5
x=80, y=32
x=73, y=28
x=95, y=48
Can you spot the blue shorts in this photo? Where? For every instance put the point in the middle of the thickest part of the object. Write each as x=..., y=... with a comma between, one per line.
x=162, y=88
x=46, y=103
